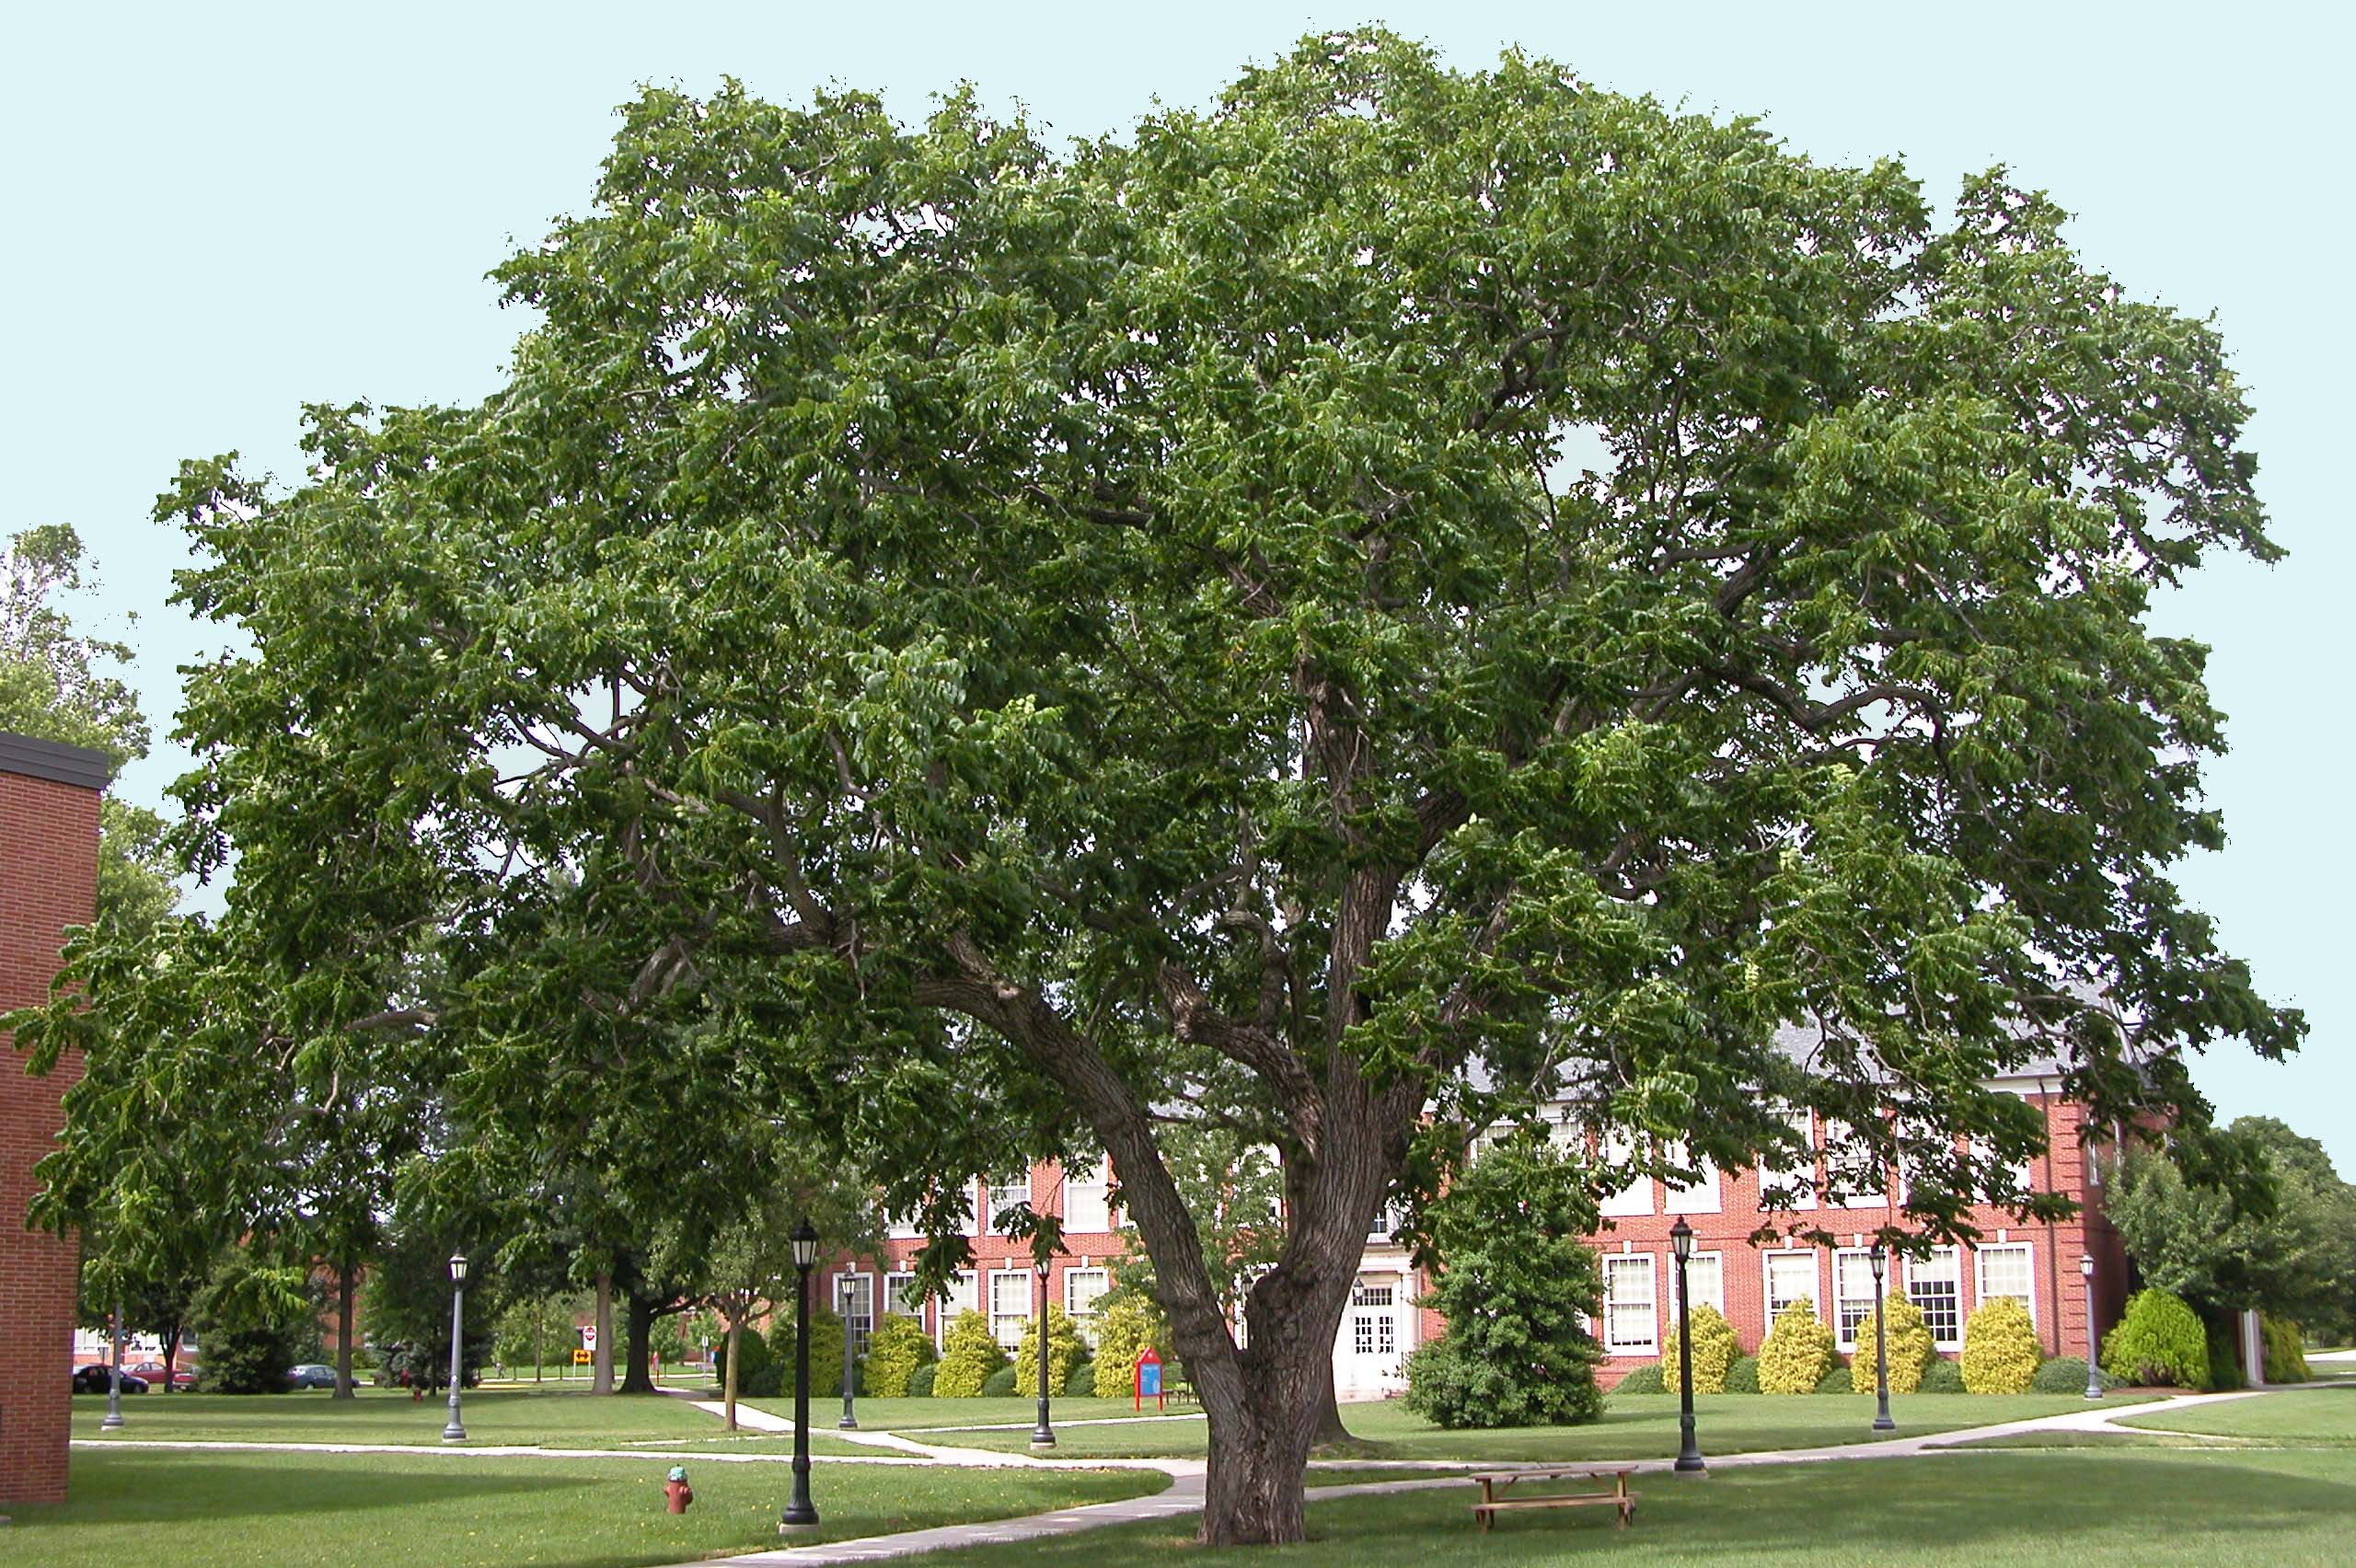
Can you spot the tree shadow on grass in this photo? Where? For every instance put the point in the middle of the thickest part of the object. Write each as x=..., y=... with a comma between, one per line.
x=148, y=1487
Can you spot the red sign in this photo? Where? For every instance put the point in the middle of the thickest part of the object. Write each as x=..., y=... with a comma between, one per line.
x=1148, y=1376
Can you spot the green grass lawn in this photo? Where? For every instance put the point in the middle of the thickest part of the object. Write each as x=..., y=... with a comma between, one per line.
x=929, y=1415
x=249, y=1510
x=493, y=1416
x=1633, y=1426
x=1992, y=1510
x=2300, y=1418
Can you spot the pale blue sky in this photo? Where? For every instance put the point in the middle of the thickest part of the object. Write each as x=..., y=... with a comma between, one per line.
x=217, y=213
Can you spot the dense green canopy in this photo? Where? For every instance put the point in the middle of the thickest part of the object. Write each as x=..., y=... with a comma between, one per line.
x=1393, y=594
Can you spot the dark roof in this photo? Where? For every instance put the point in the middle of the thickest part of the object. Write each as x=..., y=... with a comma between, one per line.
x=59, y=763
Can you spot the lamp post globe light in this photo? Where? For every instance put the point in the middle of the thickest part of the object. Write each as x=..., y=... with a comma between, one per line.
x=1689, y=1456
x=798, y=1512
x=1882, y=1422
x=2094, y=1368
x=1043, y=1434
x=455, y=1432
x=849, y=1422
x=114, y=1422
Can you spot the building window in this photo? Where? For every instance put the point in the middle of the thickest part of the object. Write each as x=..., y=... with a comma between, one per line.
x=1009, y=1306
x=1792, y=1184
x=1702, y=1196
x=1705, y=1281
x=1630, y=1317
x=1007, y=1195
x=855, y=1304
x=965, y=1295
x=1388, y=1222
x=1853, y=1293
x=903, y=1229
x=895, y=1294
x=1084, y=1209
x=1852, y=1177
x=1082, y=1289
x=1637, y=1197
x=2007, y=1185
x=1934, y=1286
x=2005, y=1272
x=1791, y=1276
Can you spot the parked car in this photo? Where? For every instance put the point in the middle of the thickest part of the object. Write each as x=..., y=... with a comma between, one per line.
x=154, y=1372
x=310, y=1375
x=92, y=1379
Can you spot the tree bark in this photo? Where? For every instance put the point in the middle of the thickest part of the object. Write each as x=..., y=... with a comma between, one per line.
x=171, y=1338
x=601, y=1361
x=346, y=1280
x=635, y=1379
x=728, y=1390
x=1329, y=1429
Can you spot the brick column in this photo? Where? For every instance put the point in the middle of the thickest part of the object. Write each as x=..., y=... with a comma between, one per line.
x=49, y=867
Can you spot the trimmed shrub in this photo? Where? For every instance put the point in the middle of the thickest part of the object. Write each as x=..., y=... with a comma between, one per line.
x=2159, y=1341
x=999, y=1384
x=1798, y=1353
x=2224, y=1340
x=759, y=1377
x=1742, y=1378
x=970, y=1355
x=2286, y=1352
x=825, y=1350
x=1714, y=1348
x=1836, y=1380
x=898, y=1347
x=1910, y=1349
x=1643, y=1380
x=920, y=1381
x=2065, y=1375
x=1082, y=1384
x=1941, y=1377
x=1124, y=1327
x=1066, y=1349
x=2000, y=1350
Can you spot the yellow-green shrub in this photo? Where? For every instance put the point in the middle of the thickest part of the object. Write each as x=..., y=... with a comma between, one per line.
x=1066, y=1349
x=1124, y=1328
x=1910, y=1348
x=1714, y=1348
x=1798, y=1353
x=898, y=1347
x=2000, y=1350
x=2286, y=1350
x=969, y=1354
x=2159, y=1341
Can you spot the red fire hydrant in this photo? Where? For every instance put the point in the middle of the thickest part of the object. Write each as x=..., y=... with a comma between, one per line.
x=677, y=1490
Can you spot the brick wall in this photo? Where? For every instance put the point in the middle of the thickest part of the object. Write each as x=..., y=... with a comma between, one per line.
x=49, y=836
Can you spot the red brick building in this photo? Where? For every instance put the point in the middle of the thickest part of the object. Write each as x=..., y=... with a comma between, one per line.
x=2036, y=1263
x=48, y=869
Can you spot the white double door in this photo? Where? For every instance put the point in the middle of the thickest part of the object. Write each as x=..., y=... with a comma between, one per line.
x=1373, y=1340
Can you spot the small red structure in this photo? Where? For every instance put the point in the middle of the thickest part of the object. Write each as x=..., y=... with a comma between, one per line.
x=1148, y=1381
x=675, y=1490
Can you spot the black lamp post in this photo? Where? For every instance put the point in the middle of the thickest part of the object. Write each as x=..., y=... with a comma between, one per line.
x=799, y=1512
x=1688, y=1455
x=1882, y=1422
x=114, y=1422
x=2094, y=1368
x=850, y=1423
x=455, y=1432
x=1043, y=1434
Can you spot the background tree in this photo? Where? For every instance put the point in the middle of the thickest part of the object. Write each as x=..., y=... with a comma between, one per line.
x=1407, y=588
x=1514, y=1277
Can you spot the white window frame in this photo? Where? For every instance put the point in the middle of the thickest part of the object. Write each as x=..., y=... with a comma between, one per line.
x=1840, y=1164
x=2022, y=1172
x=1715, y=1295
x=965, y=1295
x=1799, y=1181
x=1770, y=1303
x=902, y=1229
x=1087, y=1211
x=1616, y=1266
x=1843, y=1329
x=1701, y=1197
x=895, y=1295
x=1981, y=1294
x=1387, y=1326
x=1637, y=1197
x=1004, y=1195
x=1084, y=1318
x=1945, y=1266
x=1019, y=1320
x=858, y=1286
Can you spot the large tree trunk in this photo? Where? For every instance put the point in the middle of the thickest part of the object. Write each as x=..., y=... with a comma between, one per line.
x=1329, y=1429
x=728, y=1390
x=345, y=1281
x=601, y=1360
x=635, y=1378
x=171, y=1338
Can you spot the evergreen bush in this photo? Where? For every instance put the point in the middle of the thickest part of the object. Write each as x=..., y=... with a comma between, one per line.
x=1066, y=1349
x=2160, y=1341
x=1742, y=1378
x=1910, y=1349
x=999, y=1385
x=969, y=1355
x=920, y=1381
x=1798, y=1353
x=1125, y=1327
x=2286, y=1352
x=2065, y=1375
x=825, y=1349
x=1836, y=1380
x=1644, y=1379
x=1714, y=1348
x=1082, y=1384
x=2000, y=1349
x=761, y=1377
x=1941, y=1377
x=898, y=1346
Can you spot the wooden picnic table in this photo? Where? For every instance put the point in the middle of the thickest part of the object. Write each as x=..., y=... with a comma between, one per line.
x=1495, y=1482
